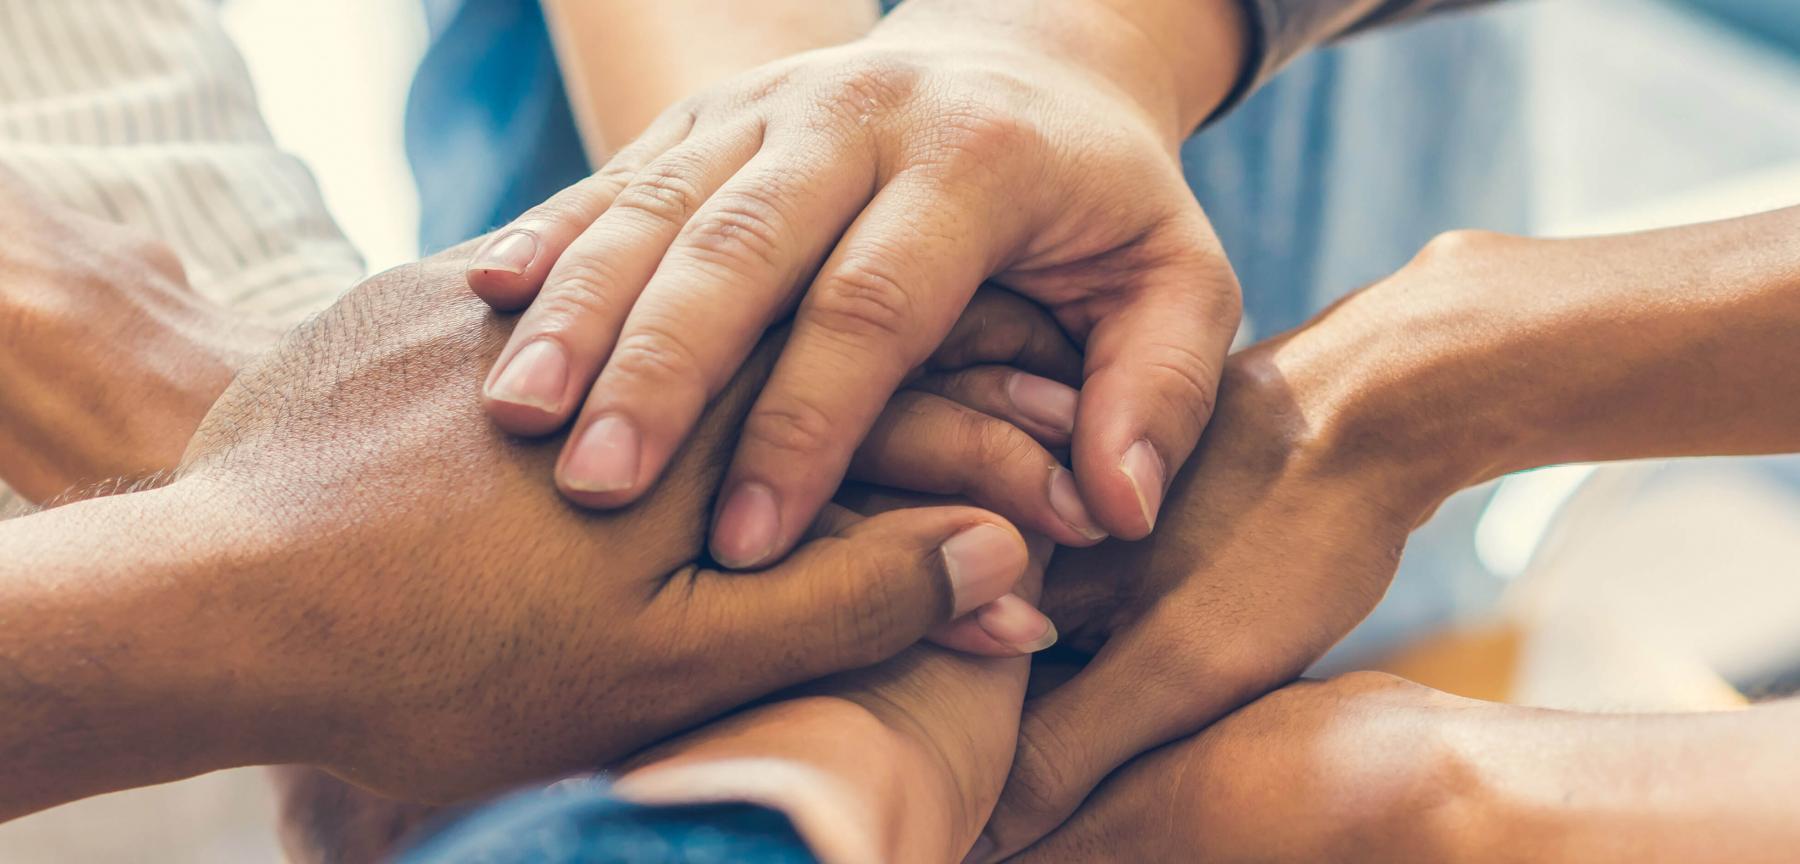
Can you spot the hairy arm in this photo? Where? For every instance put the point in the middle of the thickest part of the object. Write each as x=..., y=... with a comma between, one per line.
x=119, y=666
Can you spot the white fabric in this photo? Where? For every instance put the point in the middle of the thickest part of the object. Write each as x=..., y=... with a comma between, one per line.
x=142, y=112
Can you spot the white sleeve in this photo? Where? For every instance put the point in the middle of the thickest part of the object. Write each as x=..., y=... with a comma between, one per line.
x=142, y=112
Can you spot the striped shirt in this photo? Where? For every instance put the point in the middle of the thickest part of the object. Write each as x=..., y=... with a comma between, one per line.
x=142, y=112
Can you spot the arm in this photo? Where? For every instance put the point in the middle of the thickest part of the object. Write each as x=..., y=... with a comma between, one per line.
x=1485, y=354
x=119, y=665
x=1679, y=342
x=321, y=586
x=1369, y=768
x=625, y=62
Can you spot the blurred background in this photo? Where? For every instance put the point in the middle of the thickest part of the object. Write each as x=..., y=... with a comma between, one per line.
x=1639, y=586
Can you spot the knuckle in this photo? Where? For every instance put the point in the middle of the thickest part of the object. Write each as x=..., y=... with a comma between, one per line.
x=870, y=617
x=869, y=85
x=795, y=425
x=863, y=300
x=580, y=292
x=655, y=353
x=742, y=230
x=665, y=191
x=975, y=134
x=1187, y=379
x=996, y=442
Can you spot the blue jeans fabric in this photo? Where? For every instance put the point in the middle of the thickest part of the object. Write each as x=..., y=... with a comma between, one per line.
x=586, y=825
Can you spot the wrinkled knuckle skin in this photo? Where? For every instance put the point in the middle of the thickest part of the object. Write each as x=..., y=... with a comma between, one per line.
x=997, y=443
x=656, y=355
x=742, y=233
x=1189, y=380
x=863, y=301
x=872, y=85
x=664, y=192
x=581, y=292
x=871, y=616
x=794, y=427
x=983, y=131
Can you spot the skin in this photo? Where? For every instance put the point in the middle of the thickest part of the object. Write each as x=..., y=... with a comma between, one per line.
x=81, y=300
x=1487, y=354
x=1043, y=136
x=1733, y=272
x=326, y=553
x=673, y=49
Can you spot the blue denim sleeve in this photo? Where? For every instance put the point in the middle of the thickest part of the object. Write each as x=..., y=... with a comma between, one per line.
x=587, y=825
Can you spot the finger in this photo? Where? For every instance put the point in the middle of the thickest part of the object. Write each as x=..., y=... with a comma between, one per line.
x=732, y=270
x=569, y=331
x=1153, y=365
x=509, y=268
x=1003, y=328
x=1139, y=693
x=859, y=596
x=1008, y=627
x=1038, y=406
x=927, y=443
x=884, y=299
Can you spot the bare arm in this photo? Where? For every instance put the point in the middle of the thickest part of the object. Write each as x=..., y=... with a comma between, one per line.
x=1369, y=768
x=119, y=663
x=1490, y=354
x=625, y=61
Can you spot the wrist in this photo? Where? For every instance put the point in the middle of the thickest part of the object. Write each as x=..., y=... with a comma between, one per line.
x=1423, y=376
x=1176, y=61
x=123, y=661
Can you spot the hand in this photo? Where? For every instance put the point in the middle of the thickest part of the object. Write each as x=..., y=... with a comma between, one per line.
x=1363, y=768
x=1027, y=142
x=899, y=762
x=412, y=610
x=108, y=359
x=1282, y=532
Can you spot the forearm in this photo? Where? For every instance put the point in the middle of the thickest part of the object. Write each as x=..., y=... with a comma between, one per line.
x=625, y=61
x=114, y=671
x=1177, y=60
x=1592, y=788
x=1490, y=354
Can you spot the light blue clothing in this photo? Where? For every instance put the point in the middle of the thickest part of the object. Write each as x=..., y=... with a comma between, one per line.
x=1331, y=176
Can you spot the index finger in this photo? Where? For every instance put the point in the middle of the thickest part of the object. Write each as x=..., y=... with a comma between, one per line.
x=884, y=299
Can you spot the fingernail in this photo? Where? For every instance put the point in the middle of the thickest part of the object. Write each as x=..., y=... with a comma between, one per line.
x=978, y=854
x=535, y=377
x=982, y=562
x=1065, y=499
x=747, y=526
x=1144, y=469
x=605, y=458
x=1044, y=401
x=1016, y=624
x=512, y=253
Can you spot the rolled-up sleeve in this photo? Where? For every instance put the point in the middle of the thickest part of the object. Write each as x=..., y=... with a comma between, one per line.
x=1281, y=30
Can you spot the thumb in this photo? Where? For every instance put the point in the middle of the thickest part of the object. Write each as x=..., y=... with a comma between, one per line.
x=864, y=592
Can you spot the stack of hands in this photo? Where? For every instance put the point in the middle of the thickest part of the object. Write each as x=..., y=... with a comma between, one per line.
x=445, y=550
